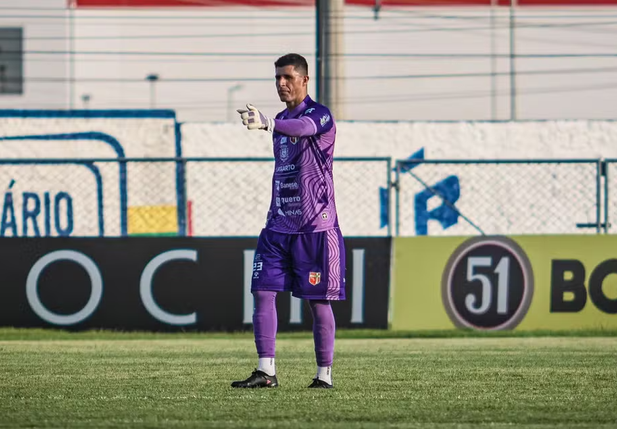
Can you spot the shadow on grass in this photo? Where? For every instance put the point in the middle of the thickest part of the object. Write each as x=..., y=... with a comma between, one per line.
x=36, y=334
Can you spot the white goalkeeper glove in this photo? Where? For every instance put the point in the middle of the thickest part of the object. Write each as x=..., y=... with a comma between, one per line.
x=253, y=119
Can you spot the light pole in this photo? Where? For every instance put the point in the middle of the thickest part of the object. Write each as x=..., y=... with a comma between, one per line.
x=3, y=77
x=85, y=98
x=152, y=78
x=3, y=86
x=230, y=92
x=494, y=8
x=513, y=112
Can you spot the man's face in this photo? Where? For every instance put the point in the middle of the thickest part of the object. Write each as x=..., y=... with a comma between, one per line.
x=290, y=85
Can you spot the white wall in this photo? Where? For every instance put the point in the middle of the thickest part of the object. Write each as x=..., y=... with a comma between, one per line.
x=46, y=28
x=504, y=199
x=232, y=198
x=441, y=140
x=147, y=184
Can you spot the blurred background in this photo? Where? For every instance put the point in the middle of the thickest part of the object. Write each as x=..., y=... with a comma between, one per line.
x=387, y=60
x=465, y=119
x=106, y=86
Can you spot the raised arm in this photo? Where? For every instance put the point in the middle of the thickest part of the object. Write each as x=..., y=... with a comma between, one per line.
x=315, y=122
x=296, y=127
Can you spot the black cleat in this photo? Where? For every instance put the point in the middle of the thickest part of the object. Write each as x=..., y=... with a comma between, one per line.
x=320, y=384
x=257, y=379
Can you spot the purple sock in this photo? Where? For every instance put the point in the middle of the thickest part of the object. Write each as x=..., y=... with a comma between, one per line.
x=323, y=332
x=265, y=323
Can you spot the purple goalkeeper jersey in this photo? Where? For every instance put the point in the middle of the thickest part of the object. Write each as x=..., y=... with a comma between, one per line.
x=302, y=185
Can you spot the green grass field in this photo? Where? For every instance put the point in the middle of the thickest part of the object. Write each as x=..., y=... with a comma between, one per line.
x=97, y=380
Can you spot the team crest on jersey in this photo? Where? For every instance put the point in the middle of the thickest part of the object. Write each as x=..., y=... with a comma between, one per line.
x=284, y=153
x=314, y=278
x=293, y=140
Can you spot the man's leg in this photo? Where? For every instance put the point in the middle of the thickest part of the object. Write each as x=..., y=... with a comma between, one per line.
x=264, y=328
x=319, y=265
x=271, y=274
x=324, y=328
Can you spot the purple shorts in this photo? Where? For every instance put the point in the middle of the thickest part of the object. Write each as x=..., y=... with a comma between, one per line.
x=310, y=266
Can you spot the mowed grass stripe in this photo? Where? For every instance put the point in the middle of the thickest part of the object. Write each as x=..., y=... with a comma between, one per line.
x=184, y=383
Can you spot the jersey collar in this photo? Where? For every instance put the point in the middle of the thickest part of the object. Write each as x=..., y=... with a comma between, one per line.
x=299, y=108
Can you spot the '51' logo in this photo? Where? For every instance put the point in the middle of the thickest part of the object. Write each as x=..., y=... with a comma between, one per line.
x=487, y=284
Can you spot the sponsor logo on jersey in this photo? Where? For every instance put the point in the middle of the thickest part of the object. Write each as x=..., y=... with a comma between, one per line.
x=314, y=278
x=294, y=140
x=324, y=119
x=284, y=153
x=284, y=140
x=284, y=168
x=292, y=185
x=307, y=111
x=290, y=199
x=258, y=265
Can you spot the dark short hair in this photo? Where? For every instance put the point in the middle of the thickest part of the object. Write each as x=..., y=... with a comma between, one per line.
x=296, y=60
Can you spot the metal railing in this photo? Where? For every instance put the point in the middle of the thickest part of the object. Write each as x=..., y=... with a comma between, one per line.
x=610, y=196
x=469, y=197
x=231, y=196
x=173, y=196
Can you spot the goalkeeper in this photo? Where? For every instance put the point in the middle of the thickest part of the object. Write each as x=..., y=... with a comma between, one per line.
x=301, y=247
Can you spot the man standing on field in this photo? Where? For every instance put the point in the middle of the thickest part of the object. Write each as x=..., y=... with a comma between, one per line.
x=301, y=248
